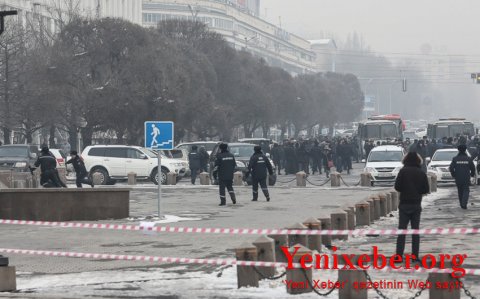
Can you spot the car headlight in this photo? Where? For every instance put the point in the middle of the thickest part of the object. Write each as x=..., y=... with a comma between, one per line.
x=240, y=164
x=178, y=164
x=397, y=169
x=20, y=165
x=370, y=169
x=431, y=168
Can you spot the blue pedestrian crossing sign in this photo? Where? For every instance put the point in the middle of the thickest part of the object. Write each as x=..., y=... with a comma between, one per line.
x=159, y=135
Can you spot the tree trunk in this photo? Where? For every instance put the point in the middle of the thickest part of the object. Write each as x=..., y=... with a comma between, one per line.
x=120, y=134
x=330, y=130
x=283, y=130
x=51, y=139
x=6, y=135
x=266, y=130
x=246, y=131
x=72, y=137
x=87, y=134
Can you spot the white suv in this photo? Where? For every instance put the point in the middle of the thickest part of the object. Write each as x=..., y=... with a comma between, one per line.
x=384, y=162
x=116, y=161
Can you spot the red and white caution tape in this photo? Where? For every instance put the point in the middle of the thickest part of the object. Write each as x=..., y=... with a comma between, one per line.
x=177, y=260
x=247, y=231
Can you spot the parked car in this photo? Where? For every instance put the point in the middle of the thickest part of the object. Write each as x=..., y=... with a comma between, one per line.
x=242, y=153
x=208, y=145
x=439, y=165
x=180, y=154
x=18, y=157
x=384, y=162
x=114, y=162
x=60, y=157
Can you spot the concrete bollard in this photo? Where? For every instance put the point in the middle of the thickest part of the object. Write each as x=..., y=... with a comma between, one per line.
x=8, y=278
x=340, y=222
x=389, y=202
x=238, y=178
x=279, y=242
x=352, y=278
x=97, y=178
x=326, y=224
x=394, y=200
x=265, y=253
x=350, y=216
x=171, y=178
x=132, y=178
x=365, y=179
x=301, y=278
x=444, y=279
x=335, y=179
x=383, y=204
x=314, y=241
x=246, y=275
x=362, y=213
x=371, y=203
x=204, y=178
x=434, y=183
x=301, y=179
x=376, y=205
x=297, y=239
x=429, y=179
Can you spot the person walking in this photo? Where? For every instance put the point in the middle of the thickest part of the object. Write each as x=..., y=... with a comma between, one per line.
x=48, y=166
x=412, y=183
x=204, y=157
x=258, y=166
x=462, y=168
x=277, y=156
x=194, y=162
x=80, y=170
x=223, y=172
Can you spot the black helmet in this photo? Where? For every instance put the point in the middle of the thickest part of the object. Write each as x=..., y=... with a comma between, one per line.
x=257, y=148
x=45, y=150
x=223, y=146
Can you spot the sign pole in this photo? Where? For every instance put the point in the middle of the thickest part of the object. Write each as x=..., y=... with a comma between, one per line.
x=159, y=181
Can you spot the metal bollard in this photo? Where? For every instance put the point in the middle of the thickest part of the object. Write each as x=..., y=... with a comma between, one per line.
x=246, y=275
x=350, y=217
x=442, y=279
x=394, y=200
x=302, y=278
x=171, y=178
x=365, y=179
x=279, y=242
x=339, y=222
x=265, y=253
x=334, y=179
x=352, y=278
x=204, y=178
x=297, y=239
x=371, y=203
x=326, y=224
x=238, y=178
x=8, y=278
x=383, y=204
x=132, y=178
x=362, y=213
x=301, y=179
x=314, y=241
x=389, y=202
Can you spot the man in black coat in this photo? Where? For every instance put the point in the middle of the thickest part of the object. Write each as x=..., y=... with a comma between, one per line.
x=412, y=183
x=195, y=163
x=462, y=168
x=277, y=153
x=48, y=166
x=223, y=171
x=257, y=167
x=80, y=170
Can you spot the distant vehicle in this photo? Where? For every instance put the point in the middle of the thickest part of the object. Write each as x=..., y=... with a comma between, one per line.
x=208, y=145
x=450, y=127
x=242, y=153
x=346, y=133
x=440, y=163
x=377, y=130
x=411, y=134
x=393, y=117
x=384, y=162
x=114, y=162
x=180, y=154
x=18, y=157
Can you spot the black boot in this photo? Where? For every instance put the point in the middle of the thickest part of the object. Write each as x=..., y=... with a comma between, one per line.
x=222, y=201
x=234, y=199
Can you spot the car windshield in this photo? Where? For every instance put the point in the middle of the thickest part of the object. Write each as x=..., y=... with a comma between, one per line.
x=444, y=155
x=385, y=156
x=151, y=153
x=243, y=151
x=13, y=151
x=381, y=131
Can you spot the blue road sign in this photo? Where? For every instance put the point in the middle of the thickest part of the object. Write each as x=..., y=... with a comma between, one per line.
x=159, y=135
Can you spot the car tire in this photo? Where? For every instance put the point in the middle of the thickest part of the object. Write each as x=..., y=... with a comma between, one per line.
x=154, y=177
x=105, y=178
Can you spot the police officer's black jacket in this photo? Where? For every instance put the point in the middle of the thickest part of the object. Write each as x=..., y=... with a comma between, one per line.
x=194, y=160
x=46, y=162
x=412, y=183
x=462, y=168
x=78, y=165
x=258, y=166
x=225, y=166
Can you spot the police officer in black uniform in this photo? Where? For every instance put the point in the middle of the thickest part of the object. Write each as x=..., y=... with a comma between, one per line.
x=48, y=166
x=462, y=168
x=80, y=170
x=257, y=167
x=194, y=162
x=223, y=172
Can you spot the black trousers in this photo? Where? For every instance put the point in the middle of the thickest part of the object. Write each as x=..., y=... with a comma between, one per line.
x=222, y=184
x=193, y=174
x=263, y=185
x=50, y=178
x=463, y=194
x=82, y=178
x=409, y=214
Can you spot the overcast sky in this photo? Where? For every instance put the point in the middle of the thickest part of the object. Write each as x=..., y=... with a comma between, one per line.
x=386, y=25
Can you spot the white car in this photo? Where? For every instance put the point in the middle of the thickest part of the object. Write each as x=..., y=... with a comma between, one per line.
x=440, y=162
x=113, y=162
x=59, y=156
x=384, y=162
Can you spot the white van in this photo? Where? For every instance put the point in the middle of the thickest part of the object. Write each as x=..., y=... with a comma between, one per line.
x=384, y=162
x=113, y=162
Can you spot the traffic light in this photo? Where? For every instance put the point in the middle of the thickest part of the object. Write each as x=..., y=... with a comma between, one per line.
x=404, y=85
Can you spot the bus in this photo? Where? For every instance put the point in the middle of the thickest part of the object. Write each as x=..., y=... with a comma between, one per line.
x=378, y=130
x=392, y=117
x=450, y=127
